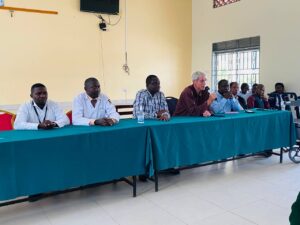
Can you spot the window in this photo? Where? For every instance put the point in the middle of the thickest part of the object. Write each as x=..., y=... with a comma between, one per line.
x=236, y=60
x=218, y=3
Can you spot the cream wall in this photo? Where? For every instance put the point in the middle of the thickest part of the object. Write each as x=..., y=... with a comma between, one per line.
x=62, y=50
x=276, y=22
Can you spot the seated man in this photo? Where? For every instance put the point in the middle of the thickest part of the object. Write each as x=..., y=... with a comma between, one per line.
x=152, y=101
x=93, y=107
x=258, y=100
x=234, y=87
x=278, y=98
x=195, y=99
x=225, y=102
x=244, y=93
x=253, y=90
x=154, y=105
x=40, y=113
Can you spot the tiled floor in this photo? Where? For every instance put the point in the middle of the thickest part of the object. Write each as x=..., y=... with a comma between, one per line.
x=244, y=192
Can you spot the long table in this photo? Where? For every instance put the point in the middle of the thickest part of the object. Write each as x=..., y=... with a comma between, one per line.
x=33, y=162
x=189, y=140
x=186, y=141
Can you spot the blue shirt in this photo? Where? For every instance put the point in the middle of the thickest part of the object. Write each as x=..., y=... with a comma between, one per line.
x=223, y=105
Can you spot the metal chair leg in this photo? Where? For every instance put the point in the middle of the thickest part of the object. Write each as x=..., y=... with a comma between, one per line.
x=134, y=185
x=156, y=181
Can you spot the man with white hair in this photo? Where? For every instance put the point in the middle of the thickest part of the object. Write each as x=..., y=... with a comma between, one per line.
x=195, y=99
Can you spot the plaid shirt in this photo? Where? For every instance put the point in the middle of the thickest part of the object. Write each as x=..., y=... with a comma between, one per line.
x=151, y=104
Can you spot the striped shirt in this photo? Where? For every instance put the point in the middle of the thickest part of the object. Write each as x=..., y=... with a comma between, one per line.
x=151, y=105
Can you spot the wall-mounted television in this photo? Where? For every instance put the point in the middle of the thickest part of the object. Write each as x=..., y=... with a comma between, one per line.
x=100, y=6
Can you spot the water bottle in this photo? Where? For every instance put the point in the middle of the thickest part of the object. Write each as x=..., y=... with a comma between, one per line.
x=140, y=115
x=282, y=105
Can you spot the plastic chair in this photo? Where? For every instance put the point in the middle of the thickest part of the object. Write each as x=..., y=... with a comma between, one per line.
x=294, y=152
x=172, y=102
x=7, y=120
x=69, y=115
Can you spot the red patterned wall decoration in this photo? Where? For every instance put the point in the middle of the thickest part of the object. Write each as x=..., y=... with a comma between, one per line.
x=218, y=3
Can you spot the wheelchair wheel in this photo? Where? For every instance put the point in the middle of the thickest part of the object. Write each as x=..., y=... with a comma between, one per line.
x=294, y=154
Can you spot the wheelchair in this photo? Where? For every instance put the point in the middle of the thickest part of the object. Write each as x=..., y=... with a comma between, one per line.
x=294, y=152
x=291, y=103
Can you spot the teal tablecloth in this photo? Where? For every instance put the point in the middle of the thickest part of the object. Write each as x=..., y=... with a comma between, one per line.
x=185, y=141
x=33, y=162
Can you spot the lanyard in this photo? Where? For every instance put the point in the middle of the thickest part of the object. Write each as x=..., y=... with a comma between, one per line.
x=37, y=114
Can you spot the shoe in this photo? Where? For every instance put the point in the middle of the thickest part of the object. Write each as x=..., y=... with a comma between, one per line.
x=172, y=171
x=143, y=178
x=268, y=153
x=285, y=149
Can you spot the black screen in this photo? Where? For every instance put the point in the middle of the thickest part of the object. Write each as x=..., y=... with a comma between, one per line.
x=100, y=6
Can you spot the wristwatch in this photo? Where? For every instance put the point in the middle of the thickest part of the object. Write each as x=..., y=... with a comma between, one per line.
x=165, y=114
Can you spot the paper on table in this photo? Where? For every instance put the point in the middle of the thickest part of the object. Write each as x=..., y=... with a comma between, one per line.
x=234, y=112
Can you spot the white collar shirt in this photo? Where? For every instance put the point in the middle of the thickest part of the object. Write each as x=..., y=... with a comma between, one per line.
x=84, y=113
x=30, y=115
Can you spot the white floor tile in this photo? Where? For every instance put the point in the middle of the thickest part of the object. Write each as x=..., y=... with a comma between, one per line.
x=224, y=219
x=153, y=216
x=264, y=213
x=183, y=205
x=23, y=214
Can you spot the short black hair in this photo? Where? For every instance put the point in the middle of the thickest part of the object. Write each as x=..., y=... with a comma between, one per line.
x=254, y=85
x=232, y=83
x=37, y=85
x=279, y=84
x=150, y=78
x=221, y=82
x=90, y=80
x=244, y=85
